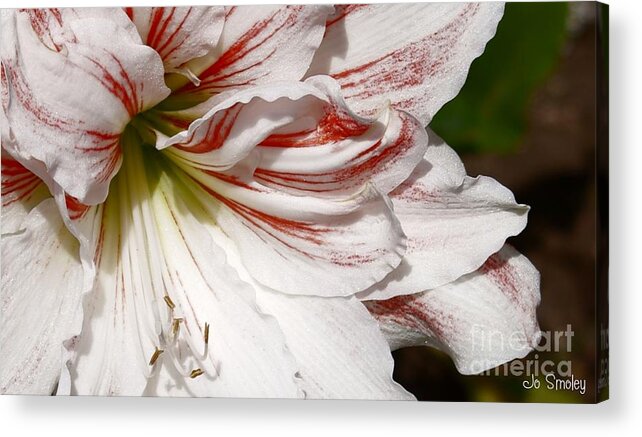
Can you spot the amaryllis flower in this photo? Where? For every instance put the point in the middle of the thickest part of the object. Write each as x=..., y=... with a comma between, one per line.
x=245, y=201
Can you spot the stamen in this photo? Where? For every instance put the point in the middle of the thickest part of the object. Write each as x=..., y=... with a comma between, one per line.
x=176, y=325
x=168, y=301
x=195, y=373
x=206, y=333
x=157, y=353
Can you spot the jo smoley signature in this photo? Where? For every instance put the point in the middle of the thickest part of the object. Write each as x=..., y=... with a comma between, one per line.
x=553, y=382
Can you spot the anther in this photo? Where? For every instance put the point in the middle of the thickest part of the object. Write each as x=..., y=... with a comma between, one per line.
x=176, y=324
x=195, y=373
x=206, y=333
x=168, y=301
x=157, y=353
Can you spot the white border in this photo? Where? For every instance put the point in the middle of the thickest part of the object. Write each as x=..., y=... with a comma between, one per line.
x=97, y=417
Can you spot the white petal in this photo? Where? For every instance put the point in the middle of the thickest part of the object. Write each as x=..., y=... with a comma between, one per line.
x=416, y=55
x=179, y=34
x=261, y=44
x=110, y=356
x=453, y=223
x=482, y=320
x=151, y=247
x=247, y=353
x=338, y=346
x=73, y=84
x=40, y=301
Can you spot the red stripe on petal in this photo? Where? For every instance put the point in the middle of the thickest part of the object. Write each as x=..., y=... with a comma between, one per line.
x=120, y=85
x=356, y=172
x=259, y=219
x=407, y=66
x=256, y=37
x=75, y=209
x=48, y=25
x=27, y=100
x=412, y=313
x=498, y=269
x=341, y=12
x=155, y=22
x=169, y=39
x=217, y=132
x=17, y=182
x=335, y=126
x=230, y=179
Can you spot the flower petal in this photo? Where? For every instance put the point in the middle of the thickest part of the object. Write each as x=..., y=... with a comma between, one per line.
x=71, y=91
x=179, y=34
x=336, y=151
x=40, y=301
x=247, y=353
x=337, y=238
x=338, y=346
x=261, y=44
x=309, y=142
x=482, y=320
x=453, y=223
x=159, y=281
x=21, y=192
x=302, y=244
x=230, y=130
x=109, y=357
x=21, y=189
x=416, y=55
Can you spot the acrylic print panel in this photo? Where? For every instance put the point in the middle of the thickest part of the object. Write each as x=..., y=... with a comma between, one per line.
x=248, y=201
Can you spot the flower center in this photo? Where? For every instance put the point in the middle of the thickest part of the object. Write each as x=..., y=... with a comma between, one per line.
x=133, y=214
x=170, y=116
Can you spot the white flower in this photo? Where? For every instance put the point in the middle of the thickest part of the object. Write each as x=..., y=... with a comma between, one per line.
x=198, y=201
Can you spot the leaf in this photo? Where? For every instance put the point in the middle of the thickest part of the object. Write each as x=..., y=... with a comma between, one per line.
x=489, y=114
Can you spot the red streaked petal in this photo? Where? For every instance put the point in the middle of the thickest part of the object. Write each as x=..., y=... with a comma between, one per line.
x=304, y=139
x=453, y=223
x=48, y=25
x=262, y=44
x=68, y=108
x=21, y=191
x=17, y=181
x=303, y=244
x=338, y=152
x=415, y=55
x=179, y=34
x=229, y=131
x=482, y=320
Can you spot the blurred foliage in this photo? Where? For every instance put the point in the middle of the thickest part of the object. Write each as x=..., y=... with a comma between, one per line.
x=489, y=114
